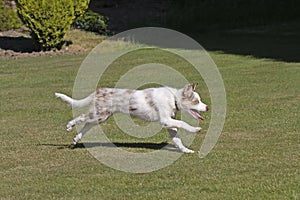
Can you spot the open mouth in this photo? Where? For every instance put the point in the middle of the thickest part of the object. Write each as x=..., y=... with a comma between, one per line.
x=196, y=114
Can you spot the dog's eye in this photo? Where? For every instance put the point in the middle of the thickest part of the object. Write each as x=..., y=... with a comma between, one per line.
x=196, y=101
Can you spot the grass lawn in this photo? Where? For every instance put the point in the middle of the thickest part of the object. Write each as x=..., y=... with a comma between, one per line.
x=256, y=157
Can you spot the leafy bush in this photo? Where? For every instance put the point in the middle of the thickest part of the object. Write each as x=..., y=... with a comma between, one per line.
x=80, y=6
x=49, y=20
x=91, y=21
x=8, y=18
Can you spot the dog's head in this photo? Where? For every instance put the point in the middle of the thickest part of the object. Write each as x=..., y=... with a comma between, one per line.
x=191, y=101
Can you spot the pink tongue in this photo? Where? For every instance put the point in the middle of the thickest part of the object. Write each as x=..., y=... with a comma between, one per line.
x=197, y=115
x=200, y=117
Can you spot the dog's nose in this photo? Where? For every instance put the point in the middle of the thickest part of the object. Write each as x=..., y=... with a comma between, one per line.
x=206, y=108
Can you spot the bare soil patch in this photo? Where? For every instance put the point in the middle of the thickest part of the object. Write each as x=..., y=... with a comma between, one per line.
x=19, y=44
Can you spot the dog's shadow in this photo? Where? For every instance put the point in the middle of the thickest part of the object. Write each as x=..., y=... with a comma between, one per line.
x=139, y=145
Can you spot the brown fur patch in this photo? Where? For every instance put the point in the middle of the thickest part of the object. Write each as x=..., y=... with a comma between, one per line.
x=148, y=95
x=129, y=91
x=132, y=104
x=102, y=92
x=149, y=99
x=151, y=103
x=91, y=115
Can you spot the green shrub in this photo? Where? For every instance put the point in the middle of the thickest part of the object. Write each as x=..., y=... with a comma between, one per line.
x=91, y=21
x=8, y=18
x=48, y=20
x=80, y=6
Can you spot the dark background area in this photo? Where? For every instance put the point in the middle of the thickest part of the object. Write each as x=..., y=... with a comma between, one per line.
x=196, y=15
x=261, y=28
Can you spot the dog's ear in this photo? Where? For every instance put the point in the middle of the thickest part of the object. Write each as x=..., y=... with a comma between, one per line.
x=189, y=89
x=194, y=85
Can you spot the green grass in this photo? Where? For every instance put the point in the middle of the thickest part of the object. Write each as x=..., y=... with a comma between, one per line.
x=256, y=157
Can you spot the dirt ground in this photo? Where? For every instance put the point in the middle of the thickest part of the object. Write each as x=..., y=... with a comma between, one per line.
x=18, y=44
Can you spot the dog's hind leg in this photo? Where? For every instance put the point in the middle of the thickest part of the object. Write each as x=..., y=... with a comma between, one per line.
x=177, y=141
x=92, y=121
x=73, y=122
x=85, y=129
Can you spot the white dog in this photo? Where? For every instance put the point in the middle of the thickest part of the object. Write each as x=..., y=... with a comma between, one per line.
x=152, y=104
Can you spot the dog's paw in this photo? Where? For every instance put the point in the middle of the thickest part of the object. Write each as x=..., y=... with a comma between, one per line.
x=198, y=129
x=186, y=150
x=69, y=127
x=74, y=141
x=195, y=129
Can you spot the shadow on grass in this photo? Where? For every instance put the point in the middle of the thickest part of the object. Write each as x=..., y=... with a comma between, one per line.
x=138, y=145
x=281, y=47
x=278, y=42
x=18, y=44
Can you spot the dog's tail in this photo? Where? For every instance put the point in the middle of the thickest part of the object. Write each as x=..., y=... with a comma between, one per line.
x=73, y=102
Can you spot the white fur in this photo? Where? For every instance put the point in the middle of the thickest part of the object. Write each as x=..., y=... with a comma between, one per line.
x=153, y=104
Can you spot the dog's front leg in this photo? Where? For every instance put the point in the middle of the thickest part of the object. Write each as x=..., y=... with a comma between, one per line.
x=177, y=141
x=173, y=123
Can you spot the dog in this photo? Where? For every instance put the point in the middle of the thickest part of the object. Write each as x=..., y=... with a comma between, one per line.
x=152, y=104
